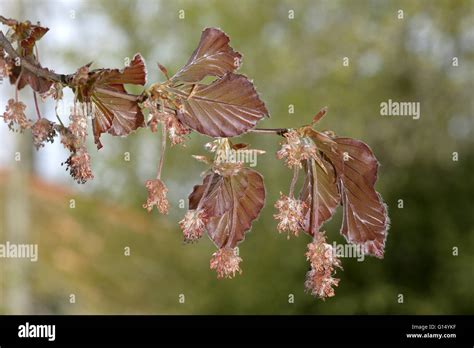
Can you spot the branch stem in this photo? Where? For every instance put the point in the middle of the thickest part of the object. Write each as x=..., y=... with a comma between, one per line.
x=296, y=170
x=278, y=131
x=28, y=65
x=163, y=149
x=38, y=113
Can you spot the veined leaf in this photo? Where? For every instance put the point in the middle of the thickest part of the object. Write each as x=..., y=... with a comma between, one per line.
x=134, y=74
x=321, y=175
x=38, y=84
x=33, y=34
x=232, y=203
x=212, y=57
x=365, y=219
x=228, y=107
x=26, y=34
x=115, y=112
x=119, y=116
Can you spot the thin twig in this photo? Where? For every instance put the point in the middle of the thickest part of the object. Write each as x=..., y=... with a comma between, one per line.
x=28, y=65
x=279, y=131
x=16, y=85
x=38, y=113
x=314, y=217
x=7, y=21
x=296, y=170
x=163, y=149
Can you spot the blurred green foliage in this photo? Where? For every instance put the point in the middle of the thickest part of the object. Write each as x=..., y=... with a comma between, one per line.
x=292, y=61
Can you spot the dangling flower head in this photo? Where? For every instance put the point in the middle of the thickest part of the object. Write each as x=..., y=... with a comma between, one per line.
x=15, y=115
x=290, y=214
x=55, y=92
x=226, y=262
x=43, y=131
x=193, y=224
x=176, y=130
x=320, y=280
x=79, y=166
x=5, y=65
x=70, y=141
x=295, y=149
x=78, y=124
x=156, y=196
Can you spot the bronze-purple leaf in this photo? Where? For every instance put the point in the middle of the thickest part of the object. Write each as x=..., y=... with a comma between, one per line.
x=365, y=219
x=232, y=203
x=227, y=107
x=322, y=176
x=133, y=74
x=117, y=112
x=212, y=57
x=38, y=84
x=26, y=35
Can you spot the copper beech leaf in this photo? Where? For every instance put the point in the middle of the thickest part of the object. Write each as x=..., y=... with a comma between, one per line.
x=30, y=36
x=114, y=111
x=212, y=57
x=365, y=219
x=26, y=35
x=323, y=177
x=38, y=84
x=232, y=203
x=227, y=107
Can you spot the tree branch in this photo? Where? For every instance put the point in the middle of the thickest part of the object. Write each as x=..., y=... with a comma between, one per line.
x=6, y=21
x=279, y=131
x=30, y=66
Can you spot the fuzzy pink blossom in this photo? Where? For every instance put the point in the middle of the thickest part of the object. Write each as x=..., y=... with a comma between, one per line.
x=5, y=68
x=78, y=124
x=15, y=115
x=193, y=224
x=79, y=166
x=156, y=196
x=69, y=140
x=55, y=92
x=290, y=214
x=226, y=262
x=295, y=150
x=320, y=279
x=176, y=130
x=43, y=131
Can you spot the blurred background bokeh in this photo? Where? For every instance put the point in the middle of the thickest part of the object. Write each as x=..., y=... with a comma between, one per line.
x=293, y=61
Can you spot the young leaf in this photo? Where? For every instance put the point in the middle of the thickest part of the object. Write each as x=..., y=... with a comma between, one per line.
x=133, y=74
x=365, y=219
x=212, y=57
x=323, y=177
x=228, y=107
x=115, y=112
x=26, y=35
x=231, y=203
x=38, y=84
x=31, y=34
